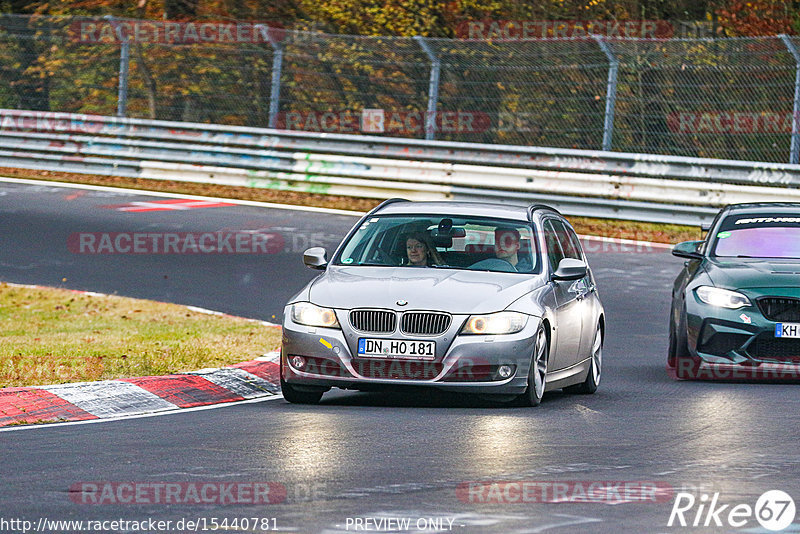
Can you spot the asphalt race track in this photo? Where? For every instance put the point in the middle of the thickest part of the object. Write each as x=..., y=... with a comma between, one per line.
x=360, y=458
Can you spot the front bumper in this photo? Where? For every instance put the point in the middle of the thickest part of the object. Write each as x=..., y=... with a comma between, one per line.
x=466, y=363
x=739, y=337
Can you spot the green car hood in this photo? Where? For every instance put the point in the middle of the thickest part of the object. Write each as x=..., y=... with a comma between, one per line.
x=758, y=275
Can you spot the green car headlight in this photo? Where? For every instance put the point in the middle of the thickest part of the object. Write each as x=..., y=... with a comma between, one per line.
x=495, y=323
x=721, y=298
x=312, y=315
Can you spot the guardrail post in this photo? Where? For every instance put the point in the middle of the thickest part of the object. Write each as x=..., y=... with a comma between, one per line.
x=275, y=88
x=433, y=88
x=611, y=92
x=794, y=153
x=124, y=68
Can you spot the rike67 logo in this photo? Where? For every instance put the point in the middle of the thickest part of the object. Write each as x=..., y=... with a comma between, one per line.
x=774, y=510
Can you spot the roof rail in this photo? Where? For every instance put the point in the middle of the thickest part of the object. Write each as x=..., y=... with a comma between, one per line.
x=534, y=207
x=386, y=203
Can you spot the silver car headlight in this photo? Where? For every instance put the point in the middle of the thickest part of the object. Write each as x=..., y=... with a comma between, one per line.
x=721, y=298
x=313, y=315
x=495, y=323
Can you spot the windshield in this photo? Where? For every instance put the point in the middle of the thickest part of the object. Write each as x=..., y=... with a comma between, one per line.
x=436, y=241
x=772, y=235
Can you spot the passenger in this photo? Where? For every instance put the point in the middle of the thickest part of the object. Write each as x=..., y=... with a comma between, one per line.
x=421, y=251
x=506, y=247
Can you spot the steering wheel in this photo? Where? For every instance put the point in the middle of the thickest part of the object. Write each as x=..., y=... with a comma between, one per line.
x=382, y=256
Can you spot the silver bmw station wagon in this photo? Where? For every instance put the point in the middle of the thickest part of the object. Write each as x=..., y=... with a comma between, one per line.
x=461, y=296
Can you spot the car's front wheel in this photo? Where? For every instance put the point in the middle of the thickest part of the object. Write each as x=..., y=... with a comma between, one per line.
x=537, y=374
x=589, y=385
x=300, y=396
x=679, y=358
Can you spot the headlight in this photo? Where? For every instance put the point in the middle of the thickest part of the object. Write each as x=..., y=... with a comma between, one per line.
x=312, y=315
x=721, y=298
x=495, y=323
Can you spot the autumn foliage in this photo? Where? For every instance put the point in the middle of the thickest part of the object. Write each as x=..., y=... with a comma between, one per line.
x=758, y=17
x=437, y=18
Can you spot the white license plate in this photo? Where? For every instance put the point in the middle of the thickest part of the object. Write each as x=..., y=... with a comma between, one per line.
x=787, y=330
x=396, y=348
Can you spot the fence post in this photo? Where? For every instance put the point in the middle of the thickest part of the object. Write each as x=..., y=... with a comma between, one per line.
x=611, y=92
x=124, y=68
x=794, y=153
x=275, y=89
x=433, y=88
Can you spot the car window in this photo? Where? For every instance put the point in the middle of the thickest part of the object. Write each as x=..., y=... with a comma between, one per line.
x=554, y=251
x=457, y=242
x=570, y=244
x=767, y=235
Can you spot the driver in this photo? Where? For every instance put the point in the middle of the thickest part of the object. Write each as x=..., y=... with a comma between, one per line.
x=421, y=251
x=506, y=247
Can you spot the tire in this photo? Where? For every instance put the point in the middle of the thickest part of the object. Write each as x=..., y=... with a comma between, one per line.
x=537, y=373
x=679, y=358
x=672, y=345
x=296, y=396
x=589, y=386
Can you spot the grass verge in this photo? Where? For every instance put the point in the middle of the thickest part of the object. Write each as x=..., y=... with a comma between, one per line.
x=659, y=233
x=53, y=336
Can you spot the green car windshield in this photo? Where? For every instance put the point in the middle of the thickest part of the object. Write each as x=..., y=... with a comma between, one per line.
x=774, y=235
x=436, y=241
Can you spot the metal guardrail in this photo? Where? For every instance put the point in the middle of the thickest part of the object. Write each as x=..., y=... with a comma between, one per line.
x=581, y=84
x=640, y=187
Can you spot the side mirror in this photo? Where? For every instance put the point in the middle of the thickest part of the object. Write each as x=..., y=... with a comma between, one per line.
x=688, y=249
x=570, y=269
x=316, y=258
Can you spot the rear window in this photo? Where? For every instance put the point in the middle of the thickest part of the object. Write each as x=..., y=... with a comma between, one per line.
x=773, y=235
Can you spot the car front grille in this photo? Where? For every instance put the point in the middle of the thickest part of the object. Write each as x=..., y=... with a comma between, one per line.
x=374, y=321
x=765, y=347
x=780, y=308
x=415, y=323
x=425, y=323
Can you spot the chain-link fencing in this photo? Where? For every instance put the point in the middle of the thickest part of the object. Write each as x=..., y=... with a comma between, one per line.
x=717, y=98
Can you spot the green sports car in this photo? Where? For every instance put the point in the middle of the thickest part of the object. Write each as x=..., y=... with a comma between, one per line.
x=736, y=303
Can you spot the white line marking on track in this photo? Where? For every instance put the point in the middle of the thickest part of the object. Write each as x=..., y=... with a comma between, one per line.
x=178, y=195
x=622, y=241
x=141, y=416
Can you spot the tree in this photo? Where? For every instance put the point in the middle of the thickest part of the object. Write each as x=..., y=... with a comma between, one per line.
x=739, y=18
